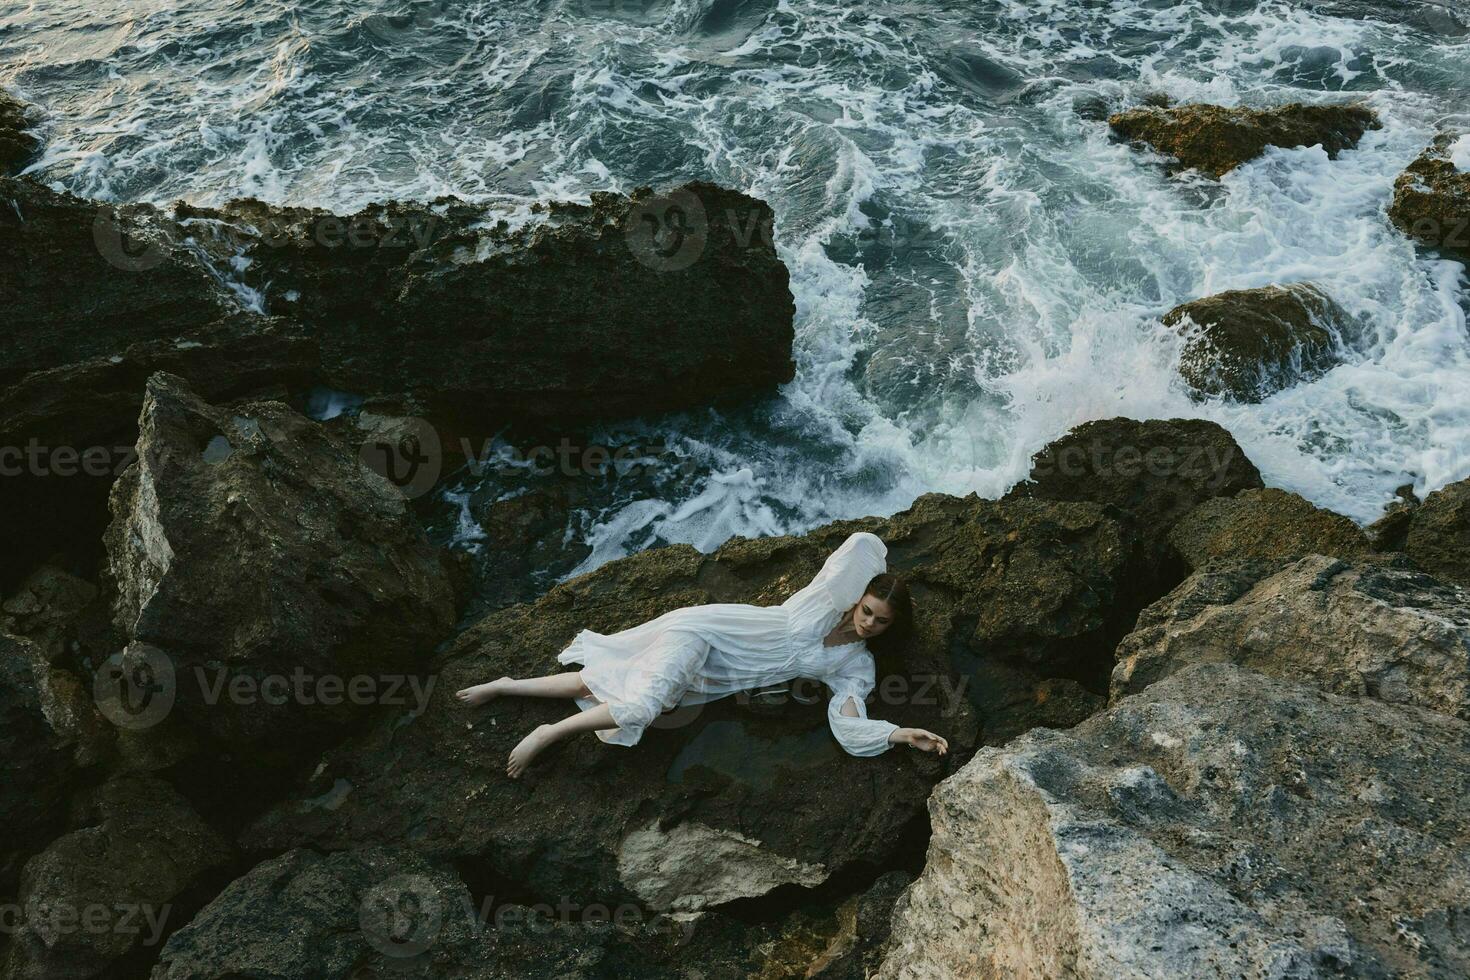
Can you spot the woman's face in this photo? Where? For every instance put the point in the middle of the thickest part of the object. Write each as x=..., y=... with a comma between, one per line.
x=871, y=616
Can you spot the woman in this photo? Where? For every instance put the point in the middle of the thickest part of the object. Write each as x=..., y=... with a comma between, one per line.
x=695, y=654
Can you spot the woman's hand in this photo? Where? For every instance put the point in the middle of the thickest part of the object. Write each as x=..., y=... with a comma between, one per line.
x=920, y=739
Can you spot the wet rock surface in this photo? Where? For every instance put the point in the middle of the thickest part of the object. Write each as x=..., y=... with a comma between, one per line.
x=1216, y=140
x=251, y=549
x=1251, y=343
x=1431, y=200
x=1153, y=472
x=17, y=143
x=1267, y=523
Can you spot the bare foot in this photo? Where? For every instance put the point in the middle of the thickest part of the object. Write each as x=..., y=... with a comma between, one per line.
x=527, y=750
x=481, y=693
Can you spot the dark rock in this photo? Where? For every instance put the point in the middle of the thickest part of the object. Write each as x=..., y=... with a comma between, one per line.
x=1216, y=140
x=1438, y=538
x=1356, y=629
x=1254, y=342
x=35, y=761
x=74, y=426
x=117, y=887
x=79, y=280
x=1431, y=201
x=386, y=911
x=1390, y=531
x=1156, y=471
x=735, y=801
x=251, y=548
x=17, y=143
x=1220, y=823
x=1266, y=523
x=577, y=315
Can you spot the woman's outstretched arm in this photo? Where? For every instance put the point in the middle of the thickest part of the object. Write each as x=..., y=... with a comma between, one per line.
x=847, y=713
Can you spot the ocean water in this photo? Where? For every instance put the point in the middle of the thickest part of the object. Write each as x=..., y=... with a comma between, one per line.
x=977, y=265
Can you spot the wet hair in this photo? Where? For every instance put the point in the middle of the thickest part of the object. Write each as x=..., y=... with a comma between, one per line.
x=892, y=644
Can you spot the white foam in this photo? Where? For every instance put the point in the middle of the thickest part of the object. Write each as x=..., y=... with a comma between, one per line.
x=1460, y=154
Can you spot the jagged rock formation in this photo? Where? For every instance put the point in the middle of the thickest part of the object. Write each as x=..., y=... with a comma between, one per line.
x=627, y=306
x=257, y=553
x=1251, y=343
x=1220, y=823
x=17, y=143
x=1216, y=140
x=1267, y=523
x=115, y=887
x=1369, y=630
x=1431, y=200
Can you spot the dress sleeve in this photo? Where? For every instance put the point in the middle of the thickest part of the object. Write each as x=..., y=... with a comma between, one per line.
x=853, y=680
x=847, y=571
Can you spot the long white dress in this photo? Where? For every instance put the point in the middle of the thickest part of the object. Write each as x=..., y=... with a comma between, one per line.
x=696, y=654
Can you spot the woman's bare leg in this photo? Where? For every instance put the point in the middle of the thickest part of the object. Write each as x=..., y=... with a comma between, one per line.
x=567, y=685
x=543, y=736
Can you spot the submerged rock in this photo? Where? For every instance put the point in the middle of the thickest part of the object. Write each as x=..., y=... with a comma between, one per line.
x=1254, y=342
x=285, y=582
x=1220, y=823
x=1267, y=523
x=1431, y=199
x=1216, y=140
x=1355, y=629
x=117, y=887
x=17, y=143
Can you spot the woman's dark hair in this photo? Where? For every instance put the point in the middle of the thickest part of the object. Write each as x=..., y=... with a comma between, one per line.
x=892, y=644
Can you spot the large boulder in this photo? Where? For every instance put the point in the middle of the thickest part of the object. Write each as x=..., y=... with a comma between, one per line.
x=628, y=305
x=104, y=897
x=1267, y=523
x=75, y=426
x=1221, y=823
x=1216, y=140
x=1394, y=634
x=387, y=911
x=1431, y=199
x=17, y=143
x=1438, y=537
x=1153, y=471
x=732, y=800
x=285, y=583
x=79, y=279
x=1251, y=343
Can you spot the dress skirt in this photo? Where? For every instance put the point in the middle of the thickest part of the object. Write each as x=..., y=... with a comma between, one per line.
x=638, y=689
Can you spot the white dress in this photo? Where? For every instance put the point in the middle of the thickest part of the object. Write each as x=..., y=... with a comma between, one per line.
x=696, y=654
